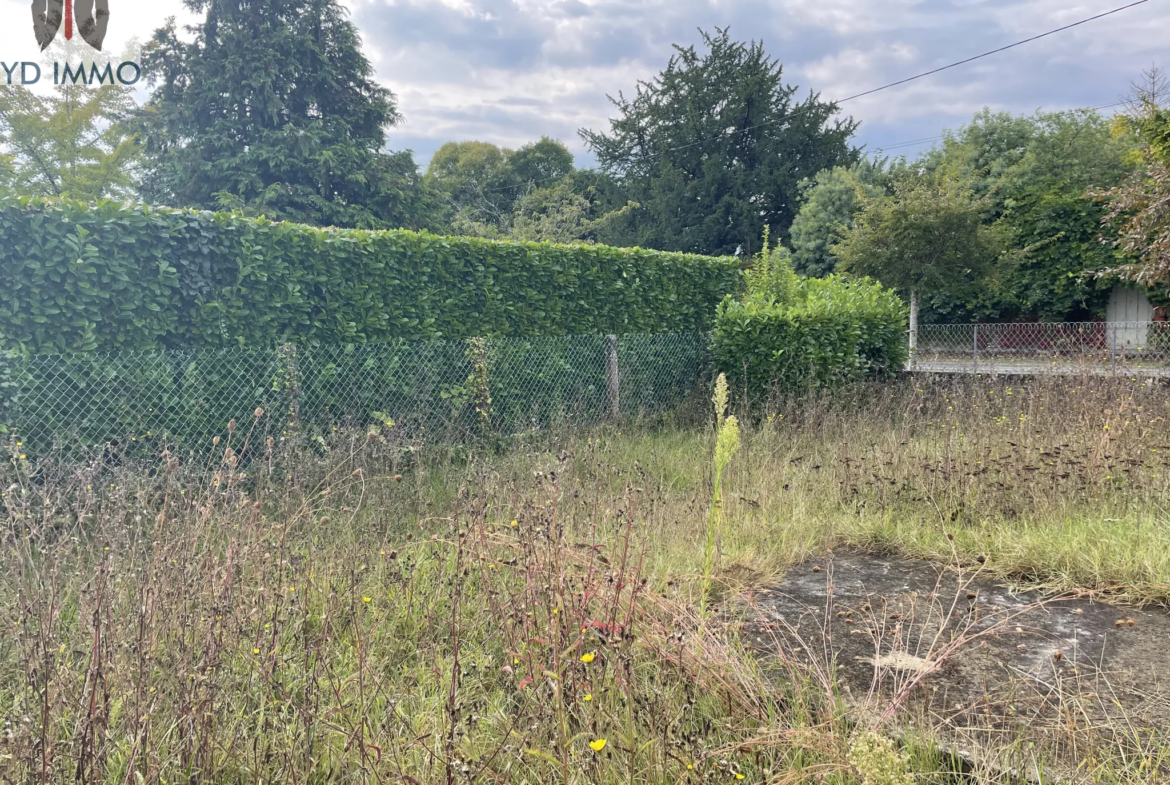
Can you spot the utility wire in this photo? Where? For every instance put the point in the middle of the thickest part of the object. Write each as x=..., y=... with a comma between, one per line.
x=908, y=79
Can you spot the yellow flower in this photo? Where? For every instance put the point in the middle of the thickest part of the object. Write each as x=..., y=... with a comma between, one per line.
x=515, y=523
x=589, y=697
x=597, y=746
x=588, y=658
x=738, y=776
x=255, y=651
x=691, y=767
x=23, y=457
x=367, y=599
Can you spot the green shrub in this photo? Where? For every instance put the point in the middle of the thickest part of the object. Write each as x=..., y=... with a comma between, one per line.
x=113, y=277
x=834, y=330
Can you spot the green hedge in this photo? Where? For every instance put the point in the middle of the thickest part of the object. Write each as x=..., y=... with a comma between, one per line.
x=115, y=277
x=833, y=330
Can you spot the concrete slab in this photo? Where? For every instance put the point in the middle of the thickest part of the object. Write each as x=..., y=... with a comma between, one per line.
x=1004, y=679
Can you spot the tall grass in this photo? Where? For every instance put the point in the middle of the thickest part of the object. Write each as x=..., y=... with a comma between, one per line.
x=389, y=611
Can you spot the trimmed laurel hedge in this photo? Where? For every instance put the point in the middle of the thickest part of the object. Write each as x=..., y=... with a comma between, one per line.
x=114, y=277
x=831, y=331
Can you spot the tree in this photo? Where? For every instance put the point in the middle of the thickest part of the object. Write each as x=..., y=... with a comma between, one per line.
x=477, y=181
x=715, y=147
x=563, y=214
x=830, y=200
x=1139, y=208
x=540, y=164
x=72, y=142
x=929, y=234
x=273, y=109
x=483, y=183
x=1032, y=173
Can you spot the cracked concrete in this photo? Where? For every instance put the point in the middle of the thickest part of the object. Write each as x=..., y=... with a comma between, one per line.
x=1009, y=681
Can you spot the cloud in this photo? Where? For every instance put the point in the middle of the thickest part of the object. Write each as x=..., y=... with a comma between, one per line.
x=510, y=71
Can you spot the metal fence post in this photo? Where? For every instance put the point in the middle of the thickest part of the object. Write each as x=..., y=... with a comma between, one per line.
x=612, y=380
x=1113, y=350
x=292, y=385
x=913, y=329
x=975, y=344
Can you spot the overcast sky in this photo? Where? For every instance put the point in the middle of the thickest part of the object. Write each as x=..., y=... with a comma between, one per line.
x=509, y=71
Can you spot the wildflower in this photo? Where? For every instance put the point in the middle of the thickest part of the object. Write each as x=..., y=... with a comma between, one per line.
x=597, y=746
x=738, y=776
x=515, y=523
x=367, y=599
x=23, y=457
x=589, y=697
x=255, y=651
x=588, y=658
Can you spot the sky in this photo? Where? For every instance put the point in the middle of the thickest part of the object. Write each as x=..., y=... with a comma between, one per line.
x=511, y=71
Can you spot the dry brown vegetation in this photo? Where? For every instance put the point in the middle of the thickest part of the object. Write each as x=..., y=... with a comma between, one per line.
x=393, y=611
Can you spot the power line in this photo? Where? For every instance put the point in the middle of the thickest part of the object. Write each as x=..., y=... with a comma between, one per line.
x=890, y=85
x=940, y=69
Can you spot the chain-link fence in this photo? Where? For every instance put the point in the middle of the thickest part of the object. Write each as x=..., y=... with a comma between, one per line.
x=452, y=389
x=1067, y=348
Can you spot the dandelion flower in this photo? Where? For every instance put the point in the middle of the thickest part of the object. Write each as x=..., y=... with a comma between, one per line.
x=367, y=599
x=255, y=651
x=515, y=523
x=597, y=746
x=588, y=658
x=589, y=697
x=738, y=776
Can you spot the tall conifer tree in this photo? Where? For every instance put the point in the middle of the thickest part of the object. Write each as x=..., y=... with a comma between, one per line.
x=272, y=109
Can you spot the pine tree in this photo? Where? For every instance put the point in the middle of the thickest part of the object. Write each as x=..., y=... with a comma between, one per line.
x=272, y=109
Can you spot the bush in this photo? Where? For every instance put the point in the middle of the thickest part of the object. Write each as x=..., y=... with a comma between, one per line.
x=113, y=277
x=834, y=330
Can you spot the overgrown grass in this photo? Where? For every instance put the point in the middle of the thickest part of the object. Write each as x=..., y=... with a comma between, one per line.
x=407, y=613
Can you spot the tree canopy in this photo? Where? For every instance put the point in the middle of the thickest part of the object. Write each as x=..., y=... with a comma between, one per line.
x=714, y=148
x=830, y=200
x=1139, y=207
x=272, y=109
x=930, y=234
x=72, y=142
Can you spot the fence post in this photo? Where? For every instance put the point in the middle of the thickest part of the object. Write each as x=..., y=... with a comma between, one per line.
x=293, y=386
x=612, y=380
x=1113, y=348
x=913, y=329
x=975, y=344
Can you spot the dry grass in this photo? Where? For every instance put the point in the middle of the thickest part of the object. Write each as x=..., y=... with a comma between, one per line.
x=402, y=613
